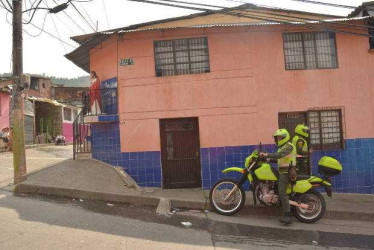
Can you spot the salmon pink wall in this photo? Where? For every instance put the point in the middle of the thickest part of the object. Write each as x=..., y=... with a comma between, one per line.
x=4, y=110
x=238, y=101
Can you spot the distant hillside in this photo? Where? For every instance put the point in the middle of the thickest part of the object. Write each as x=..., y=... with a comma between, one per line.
x=82, y=81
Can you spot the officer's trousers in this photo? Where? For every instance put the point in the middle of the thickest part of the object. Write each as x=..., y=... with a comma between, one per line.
x=282, y=189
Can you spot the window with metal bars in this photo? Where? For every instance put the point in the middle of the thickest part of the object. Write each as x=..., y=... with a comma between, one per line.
x=326, y=129
x=371, y=34
x=310, y=50
x=182, y=56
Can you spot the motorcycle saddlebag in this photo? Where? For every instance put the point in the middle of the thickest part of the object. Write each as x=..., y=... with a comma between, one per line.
x=329, y=166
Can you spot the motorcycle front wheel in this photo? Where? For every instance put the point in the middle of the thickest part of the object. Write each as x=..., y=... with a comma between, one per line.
x=316, y=203
x=227, y=197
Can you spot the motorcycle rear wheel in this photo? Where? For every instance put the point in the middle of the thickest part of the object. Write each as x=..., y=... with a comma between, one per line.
x=221, y=202
x=316, y=203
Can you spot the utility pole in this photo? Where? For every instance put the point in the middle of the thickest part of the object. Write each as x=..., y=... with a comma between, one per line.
x=17, y=101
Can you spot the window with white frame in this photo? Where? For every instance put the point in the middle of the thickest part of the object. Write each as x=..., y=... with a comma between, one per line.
x=67, y=114
x=326, y=126
x=182, y=56
x=325, y=129
x=310, y=50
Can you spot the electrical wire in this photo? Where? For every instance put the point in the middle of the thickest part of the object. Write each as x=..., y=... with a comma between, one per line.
x=192, y=3
x=71, y=19
x=89, y=17
x=54, y=24
x=58, y=34
x=43, y=31
x=33, y=14
x=4, y=6
x=106, y=16
x=170, y=5
x=83, y=17
x=263, y=18
x=326, y=4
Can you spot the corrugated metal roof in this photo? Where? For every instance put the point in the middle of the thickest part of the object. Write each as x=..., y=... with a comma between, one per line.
x=240, y=25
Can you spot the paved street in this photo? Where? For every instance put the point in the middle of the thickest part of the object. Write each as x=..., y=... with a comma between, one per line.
x=37, y=158
x=45, y=223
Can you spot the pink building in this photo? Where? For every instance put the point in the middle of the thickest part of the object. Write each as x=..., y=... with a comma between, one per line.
x=196, y=94
x=4, y=109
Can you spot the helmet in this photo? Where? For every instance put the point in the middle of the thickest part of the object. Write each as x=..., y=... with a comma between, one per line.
x=283, y=133
x=302, y=130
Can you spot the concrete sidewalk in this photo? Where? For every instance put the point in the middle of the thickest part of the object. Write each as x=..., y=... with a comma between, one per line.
x=95, y=180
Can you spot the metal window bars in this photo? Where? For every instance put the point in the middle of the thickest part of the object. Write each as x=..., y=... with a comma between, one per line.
x=310, y=50
x=326, y=128
x=182, y=56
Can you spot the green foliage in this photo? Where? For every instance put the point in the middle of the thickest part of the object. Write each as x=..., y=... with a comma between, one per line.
x=82, y=81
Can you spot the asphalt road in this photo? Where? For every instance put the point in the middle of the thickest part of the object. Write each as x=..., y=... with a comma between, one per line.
x=36, y=159
x=46, y=222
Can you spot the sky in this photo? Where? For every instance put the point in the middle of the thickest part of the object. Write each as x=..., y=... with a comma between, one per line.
x=44, y=53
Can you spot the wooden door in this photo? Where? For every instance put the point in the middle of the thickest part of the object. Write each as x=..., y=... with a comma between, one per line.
x=289, y=121
x=180, y=153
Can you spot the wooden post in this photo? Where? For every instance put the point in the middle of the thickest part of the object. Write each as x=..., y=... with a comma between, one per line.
x=17, y=102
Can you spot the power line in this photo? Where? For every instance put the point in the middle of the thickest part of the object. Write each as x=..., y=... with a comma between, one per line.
x=58, y=34
x=83, y=17
x=192, y=3
x=89, y=17
x=326, y=4
x=72, y=19
x=106, y=16
x=54, y=24
x=170, y=5
x=42, y=30
x=5, y=7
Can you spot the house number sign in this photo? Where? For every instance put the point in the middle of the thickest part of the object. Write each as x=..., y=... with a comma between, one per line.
x=126, y=62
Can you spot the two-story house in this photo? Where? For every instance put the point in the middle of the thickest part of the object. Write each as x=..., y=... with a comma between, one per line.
x=44, y=117
x=197, y=93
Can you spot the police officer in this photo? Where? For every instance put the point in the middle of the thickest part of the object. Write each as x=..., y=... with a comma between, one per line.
x=285, y=157
x=299, y=141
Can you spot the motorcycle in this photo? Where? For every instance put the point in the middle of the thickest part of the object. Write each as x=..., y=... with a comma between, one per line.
x=227, y=196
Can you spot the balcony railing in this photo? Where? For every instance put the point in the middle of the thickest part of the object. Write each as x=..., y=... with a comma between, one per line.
x=100, y=102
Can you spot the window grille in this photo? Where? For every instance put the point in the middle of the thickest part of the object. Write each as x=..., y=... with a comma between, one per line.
x=182, y=56
x=325, y=129
x=310, y=50
x=371, y=34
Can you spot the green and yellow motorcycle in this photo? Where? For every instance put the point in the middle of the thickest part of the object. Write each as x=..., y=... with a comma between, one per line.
x=227, y=196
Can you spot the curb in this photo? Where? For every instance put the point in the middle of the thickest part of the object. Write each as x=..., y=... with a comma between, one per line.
x=177, y=203
x=83, y=194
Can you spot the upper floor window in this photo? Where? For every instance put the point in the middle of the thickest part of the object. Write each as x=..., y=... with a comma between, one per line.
x=182, y=56
x=310, y=50
x=34, y=84
x=371, y=34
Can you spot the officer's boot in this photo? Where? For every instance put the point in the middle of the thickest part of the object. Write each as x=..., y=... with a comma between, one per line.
x=286, y=218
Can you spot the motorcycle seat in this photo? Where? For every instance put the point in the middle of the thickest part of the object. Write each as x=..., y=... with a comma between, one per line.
x=302, y=177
